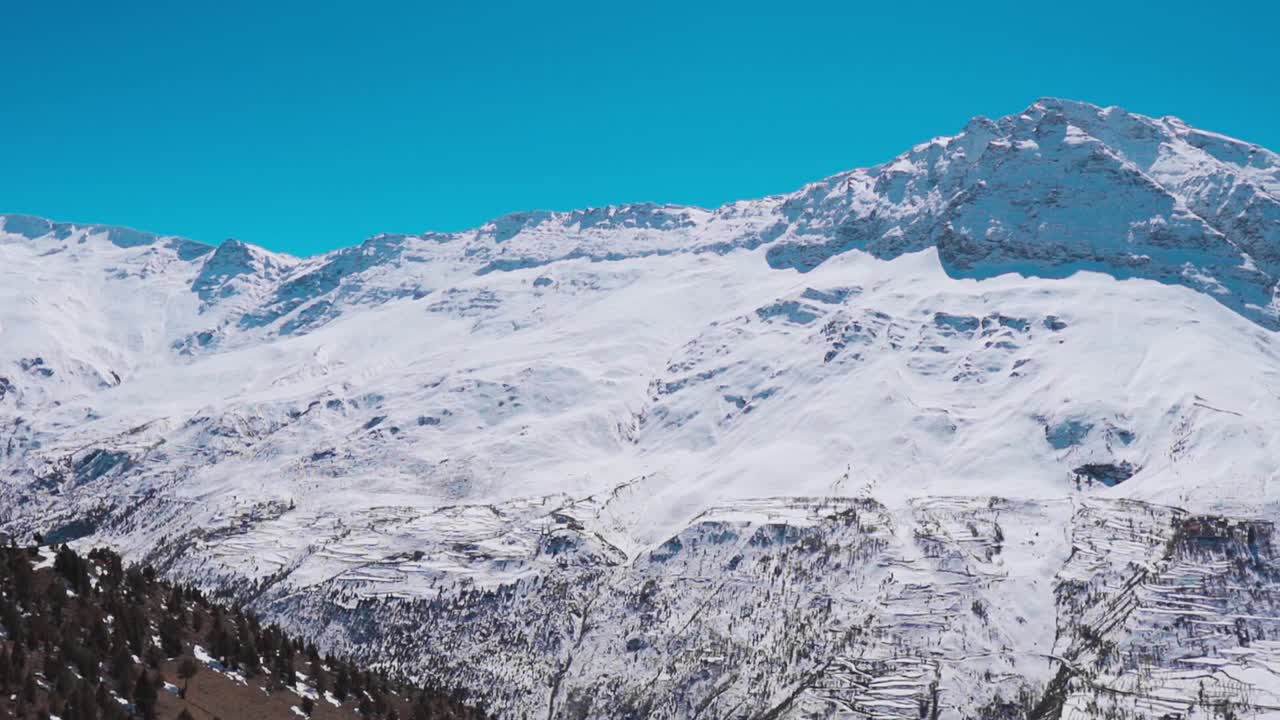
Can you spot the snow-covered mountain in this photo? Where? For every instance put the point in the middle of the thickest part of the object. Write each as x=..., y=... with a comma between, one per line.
x=939, y=436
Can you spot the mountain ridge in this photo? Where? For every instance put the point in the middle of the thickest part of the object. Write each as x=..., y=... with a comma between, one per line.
x=1213, y=203
x=775, y=423
x=521, y=217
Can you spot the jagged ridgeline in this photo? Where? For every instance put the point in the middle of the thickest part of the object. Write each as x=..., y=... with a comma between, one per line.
x=86, y=638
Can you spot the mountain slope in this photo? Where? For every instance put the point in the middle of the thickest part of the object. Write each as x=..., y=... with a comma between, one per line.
x=1069, y=302
x=87, y=638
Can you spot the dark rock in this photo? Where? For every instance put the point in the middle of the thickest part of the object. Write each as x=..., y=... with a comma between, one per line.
x=1109, y=474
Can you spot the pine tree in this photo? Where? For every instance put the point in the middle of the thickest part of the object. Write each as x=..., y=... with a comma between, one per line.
x=145, y=694
x=103, y=699
x=11, y=619
x=6, y=670
x=29, y=687
x=56, y=596
x=86, y=706
x=317, y=677
x=99, y=634
x=248, y=656
x=19, y=660
x=154, y=657
x=421, y=710
x=86, y=660
x=68, y=564
x=171, y=636
x=52, y=665
x=23, y=580
x=342, y=684
x=122, y=670
x=187, y=669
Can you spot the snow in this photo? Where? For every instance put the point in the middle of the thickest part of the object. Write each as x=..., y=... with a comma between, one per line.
x=985, y=315
x=48, y=556
x=201, y=655
x=304, y=690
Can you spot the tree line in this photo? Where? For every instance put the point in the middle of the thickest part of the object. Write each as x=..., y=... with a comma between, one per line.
x=87, y=638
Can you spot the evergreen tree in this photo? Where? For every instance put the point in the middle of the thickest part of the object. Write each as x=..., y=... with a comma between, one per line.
x=122, y=670
x=187, y=669
x=342, y=684
x=154, y=657
x=23, y=580
x=6, y=670
x=318, y=678
x=171, y=636
x=29, y=687
x=11, y=619
x=52, y=665
x=56, y=597
x=103, y=700
x=19, y=660
x=145, y=695
x=421, y=709
x=86, y=706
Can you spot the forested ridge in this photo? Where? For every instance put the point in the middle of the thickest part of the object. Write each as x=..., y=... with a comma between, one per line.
x=89, y=638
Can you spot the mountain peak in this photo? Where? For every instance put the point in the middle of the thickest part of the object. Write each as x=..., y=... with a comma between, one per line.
x=237, y=259
x=1065, y=104
x=1001, y=196
x=32, y=227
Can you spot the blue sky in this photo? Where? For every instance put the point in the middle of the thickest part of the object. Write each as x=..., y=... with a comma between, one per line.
x=306, y=126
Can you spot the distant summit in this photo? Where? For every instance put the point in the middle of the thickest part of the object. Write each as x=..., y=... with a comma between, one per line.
x=1062, y=186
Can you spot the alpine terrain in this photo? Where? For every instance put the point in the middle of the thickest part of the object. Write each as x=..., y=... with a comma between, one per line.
x=987, y=431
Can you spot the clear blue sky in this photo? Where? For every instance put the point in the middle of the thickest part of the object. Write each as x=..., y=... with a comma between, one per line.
x=311, y=125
